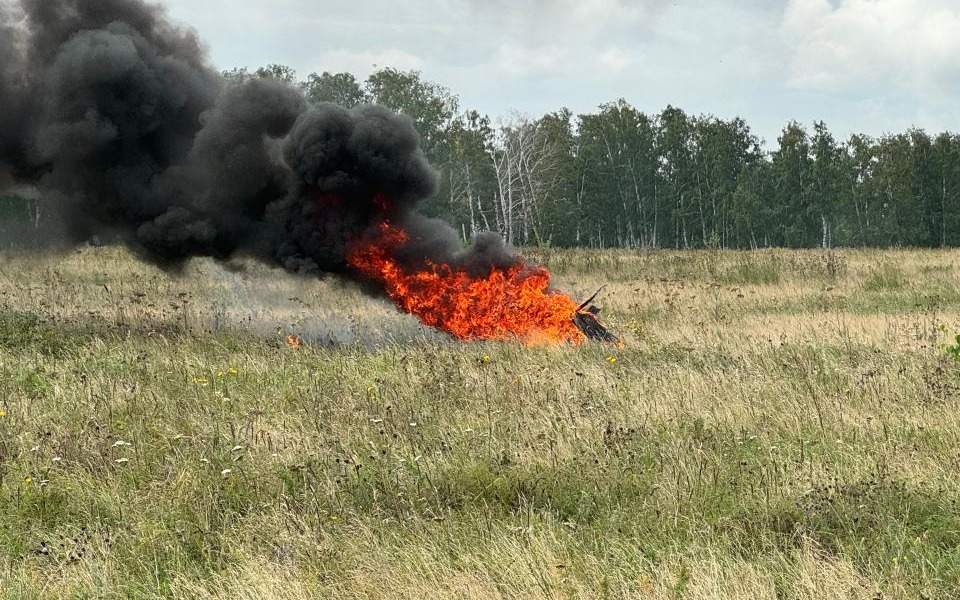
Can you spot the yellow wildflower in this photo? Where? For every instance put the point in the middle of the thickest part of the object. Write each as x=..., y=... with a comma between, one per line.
x=612, y=360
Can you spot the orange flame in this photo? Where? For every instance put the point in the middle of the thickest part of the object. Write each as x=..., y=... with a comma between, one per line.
x=294, y=342
x=509, y=303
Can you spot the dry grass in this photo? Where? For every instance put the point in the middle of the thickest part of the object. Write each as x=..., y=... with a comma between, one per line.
x=779, y=425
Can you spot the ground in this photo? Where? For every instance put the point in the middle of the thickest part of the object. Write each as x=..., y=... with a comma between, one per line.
x=778, y=425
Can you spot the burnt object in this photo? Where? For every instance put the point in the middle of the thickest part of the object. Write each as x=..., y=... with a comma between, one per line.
x=587, y=320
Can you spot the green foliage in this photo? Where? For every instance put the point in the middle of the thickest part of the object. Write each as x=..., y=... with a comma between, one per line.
x=885, y=277
x=953, y=350
x=431, y=106
x=19, y=330
x=752, y=272
x=900, y=517
x=618, y=177
x=337, y=88
x=279, y=72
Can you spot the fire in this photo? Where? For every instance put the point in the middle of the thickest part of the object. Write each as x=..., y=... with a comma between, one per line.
x=294, y=342
x=509, y=303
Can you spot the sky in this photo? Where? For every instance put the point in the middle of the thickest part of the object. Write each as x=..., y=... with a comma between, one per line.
x=862, y=66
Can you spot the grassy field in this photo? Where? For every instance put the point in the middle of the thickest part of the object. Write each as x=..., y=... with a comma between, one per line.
x=779, y=425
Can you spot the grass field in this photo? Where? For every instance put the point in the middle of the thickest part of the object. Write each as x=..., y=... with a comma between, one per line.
x=779, y=425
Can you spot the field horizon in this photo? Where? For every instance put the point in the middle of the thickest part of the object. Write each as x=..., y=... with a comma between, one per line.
x=778, y=424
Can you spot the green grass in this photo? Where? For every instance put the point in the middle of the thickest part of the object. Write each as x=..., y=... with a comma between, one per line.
x=885, y=277
x=731, y=449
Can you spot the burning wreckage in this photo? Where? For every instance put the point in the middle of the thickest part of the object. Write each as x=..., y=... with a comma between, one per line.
x=587, y=320
x=114, y=114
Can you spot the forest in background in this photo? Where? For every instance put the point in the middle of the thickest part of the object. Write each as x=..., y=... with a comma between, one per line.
x=619, y=177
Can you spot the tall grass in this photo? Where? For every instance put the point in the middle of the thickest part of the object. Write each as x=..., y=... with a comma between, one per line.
x=158, y=438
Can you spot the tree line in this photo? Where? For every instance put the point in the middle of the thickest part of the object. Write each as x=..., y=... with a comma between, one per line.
x=620, y=177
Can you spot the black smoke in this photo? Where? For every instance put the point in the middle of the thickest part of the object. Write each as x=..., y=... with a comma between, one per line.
x=116, y=117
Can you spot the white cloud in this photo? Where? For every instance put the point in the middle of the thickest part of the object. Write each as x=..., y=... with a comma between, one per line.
x=521, y=61
x=615, y=60
x=538, y=22
x=362, y=63
x=861, y=65
x=858, y=45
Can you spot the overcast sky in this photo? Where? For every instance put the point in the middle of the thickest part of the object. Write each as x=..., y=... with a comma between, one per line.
x=870, y=66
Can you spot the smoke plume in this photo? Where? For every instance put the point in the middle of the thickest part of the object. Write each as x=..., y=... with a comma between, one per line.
x=114, y=114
